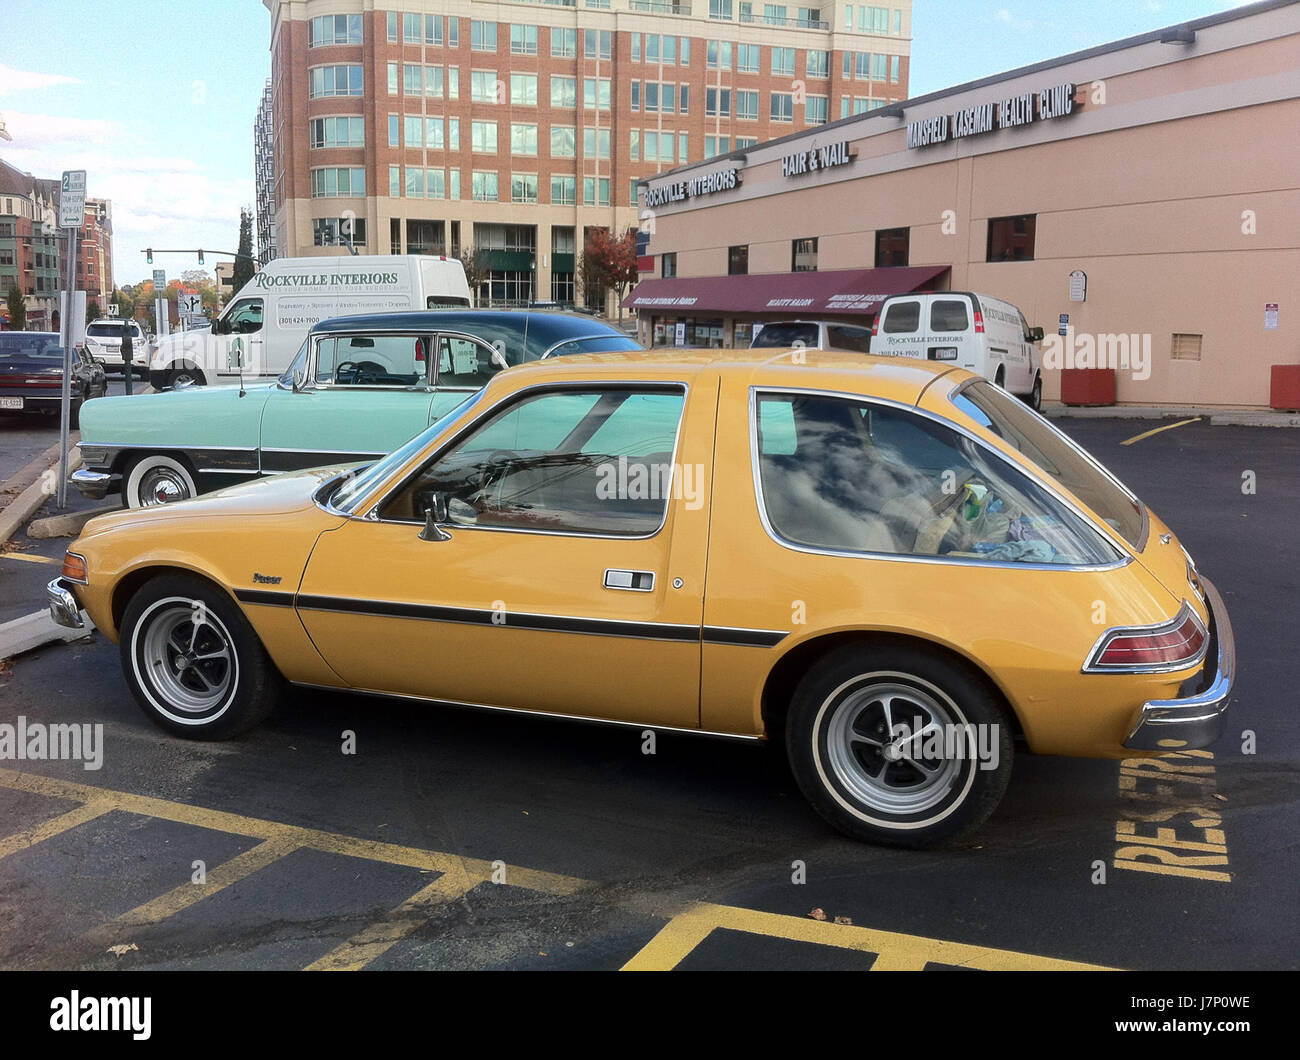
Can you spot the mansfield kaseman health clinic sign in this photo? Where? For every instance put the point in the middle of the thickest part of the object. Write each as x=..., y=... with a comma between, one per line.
x=1009, y=113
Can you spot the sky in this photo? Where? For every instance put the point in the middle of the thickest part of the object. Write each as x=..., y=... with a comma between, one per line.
x=156, y=99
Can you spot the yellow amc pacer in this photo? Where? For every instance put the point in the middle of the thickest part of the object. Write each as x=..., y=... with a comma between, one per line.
x=893, y=566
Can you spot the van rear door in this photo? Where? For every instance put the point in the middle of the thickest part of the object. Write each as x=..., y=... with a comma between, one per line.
x=899, y=331
x=951, y=332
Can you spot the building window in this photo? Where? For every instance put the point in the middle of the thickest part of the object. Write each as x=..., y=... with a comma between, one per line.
x=668, y=265
x=413, y=80
x=684, y=51
x=747, y=105
x=333, y=29
x=894, y=63
x=337, y=132
x=482, y=36
x=595, y=143
x=394, y=182
x=453, y=82
x=523, y=40
x=523, y=90
x=394, y=79
x=336, y=81
x=336, y=182
x=414, y=182
x=523, y=187
x=815, y=110
x=563, y=191
x=892, y=245
x=484, y=185
x=523, y=139
x=326, y=231
x=595, y=93
x=453, y=36
x=562, y=141
x=685, y=94
x=414, y=130
x=484, y=86
x=879, y=67
x=595, y=191
x=720, y=9
x=564, y=43
x=596, y=43
x=634, y=150
x=819, y=63
x=716, y=145
x=392, y=27
x=433, y=30
x=862, y=66
x=717, y=55
x=745, y=141
x=1011, y=238
x=564, y=92
x=738, y=260
x=803, y=255
x=483, y=137
x=635, y=97
x=717, y=101
x=783, y=62
x=437, y=183
x=747, y=58
x=1185, y=347
x=651, y=97
x=782, y=106
x=433, y=81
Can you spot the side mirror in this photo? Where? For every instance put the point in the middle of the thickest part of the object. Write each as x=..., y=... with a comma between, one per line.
x=216, y=326
x=435, y=514
x=1035, y=334
x=235, y=355
x=299, y=378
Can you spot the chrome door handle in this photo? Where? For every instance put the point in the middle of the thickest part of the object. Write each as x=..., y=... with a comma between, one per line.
x=637, y=581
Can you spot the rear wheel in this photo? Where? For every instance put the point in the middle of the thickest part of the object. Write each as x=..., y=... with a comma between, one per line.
x=193, y=662
x=185, y=375
x=157, y=479
x=898, y=745
x=1035, y=398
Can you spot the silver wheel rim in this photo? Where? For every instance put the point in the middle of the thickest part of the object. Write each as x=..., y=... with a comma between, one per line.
x=181, y=380
x=162, y=485
x=189, y=657
x=891, y=775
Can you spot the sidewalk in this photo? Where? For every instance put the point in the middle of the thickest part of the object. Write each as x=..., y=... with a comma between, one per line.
x=1218, y=416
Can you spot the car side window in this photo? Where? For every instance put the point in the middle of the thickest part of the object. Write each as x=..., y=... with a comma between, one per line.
x=874, y=479
x=465, y=364
x=246, y=317
x=372, y=360
x=848, y=338
x=592, y=461
x=902, y=318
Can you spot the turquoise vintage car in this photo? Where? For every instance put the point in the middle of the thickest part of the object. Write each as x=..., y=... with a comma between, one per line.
x=359, y=387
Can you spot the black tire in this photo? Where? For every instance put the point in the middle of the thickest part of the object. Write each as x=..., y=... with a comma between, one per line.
x=1000, y=377
x=215, y=698
x=1035, y=398
x=844, y=703
x=74, y=414
x=185, y=375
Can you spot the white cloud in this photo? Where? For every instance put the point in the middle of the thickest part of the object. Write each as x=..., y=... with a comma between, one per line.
x=12, y=80
x=1005, y=16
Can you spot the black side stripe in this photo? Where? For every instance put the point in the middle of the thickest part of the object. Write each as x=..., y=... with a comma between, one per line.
x=759, y=638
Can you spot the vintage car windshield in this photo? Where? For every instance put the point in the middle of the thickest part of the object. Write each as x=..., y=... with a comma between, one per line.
x=349, y=494
x=996, y=410
x=299, y=363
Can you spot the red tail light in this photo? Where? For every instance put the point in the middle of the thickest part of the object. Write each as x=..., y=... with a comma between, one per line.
x=1173, y=645
x=979, y=323
x=875, y=326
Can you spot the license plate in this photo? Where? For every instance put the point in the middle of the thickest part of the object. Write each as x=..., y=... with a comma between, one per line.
x=943, y=353
x=11, y=402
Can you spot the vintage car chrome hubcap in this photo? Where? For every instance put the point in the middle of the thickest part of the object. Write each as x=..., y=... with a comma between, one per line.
x=189, y=656
x=162, y=485
x=882, y=742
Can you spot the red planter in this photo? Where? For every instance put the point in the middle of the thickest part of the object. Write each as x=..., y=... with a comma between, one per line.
x=1088, y=386
x=1284, y=388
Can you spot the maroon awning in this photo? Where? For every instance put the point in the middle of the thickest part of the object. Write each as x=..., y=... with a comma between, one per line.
x=841, y=291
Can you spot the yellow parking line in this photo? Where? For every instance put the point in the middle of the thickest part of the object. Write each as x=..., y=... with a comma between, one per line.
x=1157, y=430
x=94, y=807
x=29, y=559
x=895, y=951
x=380, y=937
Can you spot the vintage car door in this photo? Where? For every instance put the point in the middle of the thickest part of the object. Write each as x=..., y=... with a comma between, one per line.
x=571, y=576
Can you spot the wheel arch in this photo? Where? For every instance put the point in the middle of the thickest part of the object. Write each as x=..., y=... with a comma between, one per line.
x=133, y=581
x=791, y=667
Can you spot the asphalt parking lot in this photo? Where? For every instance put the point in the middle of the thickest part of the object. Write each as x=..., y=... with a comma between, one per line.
x=451, y=839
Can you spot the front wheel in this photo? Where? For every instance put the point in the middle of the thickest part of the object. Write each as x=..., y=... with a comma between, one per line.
x=185, y=376
x=1035, y=399
x=156, y=479
x=898, y=745
x=193, y=662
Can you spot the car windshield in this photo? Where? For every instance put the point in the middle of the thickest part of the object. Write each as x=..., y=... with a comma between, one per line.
x=595, y=344
x=997, y=411
x=775, y=336
x=349, y=494
x=25, y=345
x=299, y=363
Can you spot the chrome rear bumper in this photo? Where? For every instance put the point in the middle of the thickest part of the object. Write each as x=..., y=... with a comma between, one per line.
x=1196, y=719
x=92, y=484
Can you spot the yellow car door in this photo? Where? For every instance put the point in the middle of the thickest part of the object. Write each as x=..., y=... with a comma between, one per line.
x=566, y=576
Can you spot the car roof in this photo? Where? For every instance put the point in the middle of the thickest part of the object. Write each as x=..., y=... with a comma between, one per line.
x=892, y=378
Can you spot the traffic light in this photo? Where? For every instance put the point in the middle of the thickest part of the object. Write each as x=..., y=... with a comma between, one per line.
x=200, y=257
x=148, y=254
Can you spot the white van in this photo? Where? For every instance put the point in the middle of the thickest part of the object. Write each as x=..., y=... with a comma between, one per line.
x=976, y=331
x=270, y=316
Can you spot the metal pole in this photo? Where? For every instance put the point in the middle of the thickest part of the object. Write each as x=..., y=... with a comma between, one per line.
x=65, y=337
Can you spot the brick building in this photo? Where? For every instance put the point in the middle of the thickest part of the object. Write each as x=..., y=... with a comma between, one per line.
x=29, y=259
x=512, y=127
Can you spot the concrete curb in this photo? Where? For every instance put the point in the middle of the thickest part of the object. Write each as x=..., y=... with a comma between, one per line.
x=1217, y=417
x=25, y=505
x=36, y=630
x=66, y=524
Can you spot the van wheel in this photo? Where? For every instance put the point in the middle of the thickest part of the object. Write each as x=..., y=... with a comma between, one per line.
x=1035, y=399
x=1000, y=379
x=886, y=743
x=156, y=479
x=186, y=375
x=193, y=662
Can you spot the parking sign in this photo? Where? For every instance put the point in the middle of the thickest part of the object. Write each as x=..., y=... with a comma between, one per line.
x=72, y=199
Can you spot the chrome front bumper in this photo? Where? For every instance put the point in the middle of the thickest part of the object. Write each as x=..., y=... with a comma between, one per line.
x=1197, y=718
x=64, y=608
x=92, y=484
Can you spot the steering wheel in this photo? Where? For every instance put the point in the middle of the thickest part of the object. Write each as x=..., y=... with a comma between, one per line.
x=492, y=471
x=361, y=370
